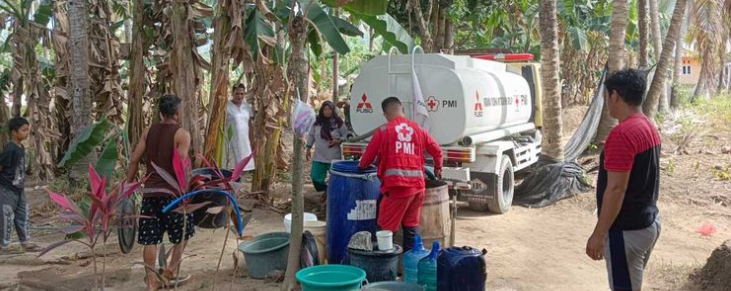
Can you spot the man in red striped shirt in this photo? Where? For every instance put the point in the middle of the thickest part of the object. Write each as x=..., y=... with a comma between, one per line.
x=627, y=186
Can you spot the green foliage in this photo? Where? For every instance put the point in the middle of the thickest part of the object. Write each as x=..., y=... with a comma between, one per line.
x=87, y=141
x=256, y=28
x=391, y=31
x=365, y=7
x=326, y=28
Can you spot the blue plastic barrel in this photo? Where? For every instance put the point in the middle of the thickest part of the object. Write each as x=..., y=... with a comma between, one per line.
x=461, y=269
x=352, y=197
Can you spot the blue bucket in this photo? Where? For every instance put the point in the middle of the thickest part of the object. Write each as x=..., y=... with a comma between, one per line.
x=351, y=206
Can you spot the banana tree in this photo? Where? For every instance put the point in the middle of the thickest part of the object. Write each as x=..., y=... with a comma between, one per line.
x=30, y=19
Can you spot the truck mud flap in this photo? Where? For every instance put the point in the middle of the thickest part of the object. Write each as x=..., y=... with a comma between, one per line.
x=483, y=188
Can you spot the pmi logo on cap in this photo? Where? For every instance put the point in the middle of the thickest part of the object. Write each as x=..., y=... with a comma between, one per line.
x=478, y=105
x=364, y=106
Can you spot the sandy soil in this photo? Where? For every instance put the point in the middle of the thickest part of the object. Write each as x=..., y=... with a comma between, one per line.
x=528, y=249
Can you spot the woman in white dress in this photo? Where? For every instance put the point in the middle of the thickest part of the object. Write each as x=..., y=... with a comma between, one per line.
x=239, y=120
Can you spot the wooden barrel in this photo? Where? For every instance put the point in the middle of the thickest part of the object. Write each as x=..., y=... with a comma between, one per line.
x=435, y=221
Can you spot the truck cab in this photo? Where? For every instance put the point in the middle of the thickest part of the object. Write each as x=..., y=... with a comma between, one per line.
x=484, y=111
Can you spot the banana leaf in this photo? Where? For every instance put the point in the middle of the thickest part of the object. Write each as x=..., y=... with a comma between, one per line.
x=91, y=137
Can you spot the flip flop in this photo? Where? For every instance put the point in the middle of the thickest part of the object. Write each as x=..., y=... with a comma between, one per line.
x=179, y=280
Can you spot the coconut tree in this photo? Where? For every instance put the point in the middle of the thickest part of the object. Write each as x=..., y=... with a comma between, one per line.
x=679, y=51
x=620, y=13
x=664, y=63
x=79, y=48
x=642, y=25
x=707, y=32
x=550, y=65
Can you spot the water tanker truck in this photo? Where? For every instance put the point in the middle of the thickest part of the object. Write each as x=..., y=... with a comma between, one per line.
x=484, y=111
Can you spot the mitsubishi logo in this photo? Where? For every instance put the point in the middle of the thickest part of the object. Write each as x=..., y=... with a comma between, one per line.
x=364, y=106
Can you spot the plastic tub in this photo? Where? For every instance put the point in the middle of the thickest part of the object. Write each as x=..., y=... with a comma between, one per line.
x=266, y=253
x=331, y=278
x=379, y=265
x=288, y=220
x=394, y=286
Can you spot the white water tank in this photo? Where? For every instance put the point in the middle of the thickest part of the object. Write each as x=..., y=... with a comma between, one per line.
x=465, y=96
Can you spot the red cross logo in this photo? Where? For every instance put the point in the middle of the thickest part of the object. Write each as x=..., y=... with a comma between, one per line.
x=364, y=103
x=517, y=101
x=404, y=132
x=432, y=104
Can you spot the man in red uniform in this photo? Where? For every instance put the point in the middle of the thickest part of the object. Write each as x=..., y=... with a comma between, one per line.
x=399, y=146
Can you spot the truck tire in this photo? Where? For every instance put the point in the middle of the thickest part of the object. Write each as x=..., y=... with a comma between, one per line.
x=503, y=188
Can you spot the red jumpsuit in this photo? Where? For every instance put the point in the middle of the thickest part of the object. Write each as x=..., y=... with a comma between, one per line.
x=399, y=146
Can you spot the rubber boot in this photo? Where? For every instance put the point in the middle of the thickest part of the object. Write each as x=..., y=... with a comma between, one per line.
x=409, y=234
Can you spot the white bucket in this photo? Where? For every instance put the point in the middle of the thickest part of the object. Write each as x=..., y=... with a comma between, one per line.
x=288, y=220
x=385, y=240
x=318, y=230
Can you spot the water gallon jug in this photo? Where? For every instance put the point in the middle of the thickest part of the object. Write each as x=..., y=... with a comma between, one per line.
x=428, y=269
x=351, y=206
x=462, y=269
x=412, y=258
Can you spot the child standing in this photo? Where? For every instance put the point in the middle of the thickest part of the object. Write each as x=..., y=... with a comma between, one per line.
x=326, y=135
x=14, y=209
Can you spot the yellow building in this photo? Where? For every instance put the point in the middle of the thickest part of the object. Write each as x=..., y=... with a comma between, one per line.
x=690, y=70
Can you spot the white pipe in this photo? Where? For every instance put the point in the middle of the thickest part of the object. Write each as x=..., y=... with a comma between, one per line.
x=496, y=134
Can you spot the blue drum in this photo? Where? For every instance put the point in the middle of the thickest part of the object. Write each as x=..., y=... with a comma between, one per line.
x=352, y=197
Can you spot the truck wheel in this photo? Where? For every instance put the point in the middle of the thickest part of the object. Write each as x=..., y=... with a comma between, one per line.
x=502, y=197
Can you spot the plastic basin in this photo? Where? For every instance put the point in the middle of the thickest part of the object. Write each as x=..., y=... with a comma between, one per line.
x=331, y=278
x=394, y=286
x=379, y=265
x=266, y=253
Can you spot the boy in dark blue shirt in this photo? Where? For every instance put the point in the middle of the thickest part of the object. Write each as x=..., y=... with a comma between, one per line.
x=13, y=207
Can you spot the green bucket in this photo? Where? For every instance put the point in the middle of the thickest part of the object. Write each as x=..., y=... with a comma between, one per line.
x=266, y=253
x=331, y=278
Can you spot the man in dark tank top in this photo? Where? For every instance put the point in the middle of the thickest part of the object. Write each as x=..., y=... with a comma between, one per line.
x=157, y=146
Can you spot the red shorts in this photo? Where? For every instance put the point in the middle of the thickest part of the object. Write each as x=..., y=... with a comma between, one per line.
x=394, y=212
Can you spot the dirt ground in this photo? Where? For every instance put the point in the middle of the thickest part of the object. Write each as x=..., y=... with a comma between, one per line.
x=528, y=249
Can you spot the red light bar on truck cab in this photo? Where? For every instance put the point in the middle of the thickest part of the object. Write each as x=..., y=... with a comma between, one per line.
x=506, y=57
x=353, y=150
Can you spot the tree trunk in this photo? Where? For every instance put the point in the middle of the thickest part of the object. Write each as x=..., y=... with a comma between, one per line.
x=79, y=45
x=440, y=26
x=658, y=83
x=105, y=82
x=679, y=48
x=298, y=66
x=449, y=36
x=616, y=61
x=657, y=42
x=216, y=132
x=722, y=74
x=642, y=24
x=137, y=73
x=336, y=97
x=550, y=64
x=426, y=39
x=182, y=66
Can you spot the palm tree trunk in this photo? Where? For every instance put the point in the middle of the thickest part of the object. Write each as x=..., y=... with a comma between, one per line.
x=298, y=72
x=79, y=45
x=679, y=48
x=616, y=61
x=722, y=74
x=658, y=83
x=182, y=66
x=657, y=42
x=136, y=91
x=642, y=25
x=550, y=64
x=449, y=36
